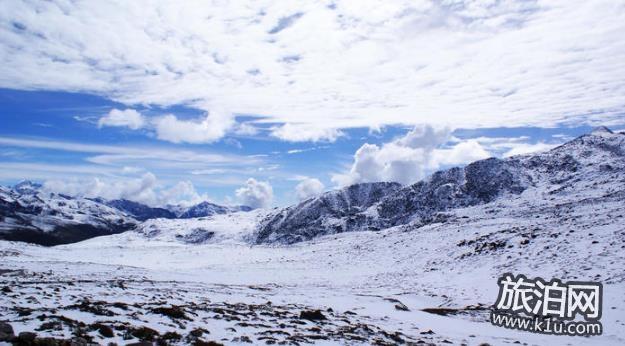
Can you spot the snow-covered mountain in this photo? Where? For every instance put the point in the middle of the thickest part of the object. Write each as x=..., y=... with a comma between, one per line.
x=590, y=166
x=50, y=218
x=209, y=209
x=30, y=214
x=139, y=211
x=332, y=212
x=587, y=166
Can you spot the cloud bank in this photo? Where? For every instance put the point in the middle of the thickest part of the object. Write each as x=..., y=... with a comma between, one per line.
x=309, y=187
x=144, y=189
x=255, y=194
x=409, y=158
x=327, y=65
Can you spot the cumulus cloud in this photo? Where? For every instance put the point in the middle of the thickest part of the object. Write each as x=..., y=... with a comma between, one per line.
x=182, y=193
x=206, y=130
x=309, y=187
x=304, y=133
x=123, y=118
x=209, y=128
x=409, y=158
x=144, y=189
x=460, y=153
x=488, y=63
x=527, y=148
x=255, y=194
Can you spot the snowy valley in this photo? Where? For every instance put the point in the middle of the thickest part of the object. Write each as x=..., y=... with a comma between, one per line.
x=373, y=263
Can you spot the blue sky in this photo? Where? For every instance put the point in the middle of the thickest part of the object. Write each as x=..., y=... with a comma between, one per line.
x=48, y=125
x=266, y=103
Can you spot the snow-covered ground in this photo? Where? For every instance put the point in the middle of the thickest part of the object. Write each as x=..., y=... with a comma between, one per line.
x=360, y=276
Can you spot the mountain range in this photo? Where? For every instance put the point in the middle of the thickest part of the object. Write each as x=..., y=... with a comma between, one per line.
x=585, y=167
x=592, y=162
x=32, y=215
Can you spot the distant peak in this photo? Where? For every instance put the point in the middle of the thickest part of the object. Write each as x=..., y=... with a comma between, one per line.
x=26, y=186
x=600, y=130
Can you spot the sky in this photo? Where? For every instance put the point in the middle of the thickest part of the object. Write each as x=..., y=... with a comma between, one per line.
x=267, y=103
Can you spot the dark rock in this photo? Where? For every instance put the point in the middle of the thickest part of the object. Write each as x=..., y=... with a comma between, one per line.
x=144, y=333
x=171, y=336
x=104, y=330
x=207, y=343
x=173, y=312
x=26, y=338
x=312, y=315
x=401, y=307
x=6, y=332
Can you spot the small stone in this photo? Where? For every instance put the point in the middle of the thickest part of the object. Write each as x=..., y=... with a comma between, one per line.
x=26, y=338
x=6, y=332
x=312, y=315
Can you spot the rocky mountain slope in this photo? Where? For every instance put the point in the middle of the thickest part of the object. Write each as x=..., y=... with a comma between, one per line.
x=30, y=214
x=581, y=165
x=51, y=219
x=139, y=211
x=209, y=209
x=332, y=212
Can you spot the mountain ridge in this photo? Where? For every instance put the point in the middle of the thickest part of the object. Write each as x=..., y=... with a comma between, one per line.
x=479, y=182
x=31, y=215
x=589, y=166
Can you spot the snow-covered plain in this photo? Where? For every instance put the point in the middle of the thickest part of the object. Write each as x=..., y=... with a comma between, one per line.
x=360, y=272
x=202, y=279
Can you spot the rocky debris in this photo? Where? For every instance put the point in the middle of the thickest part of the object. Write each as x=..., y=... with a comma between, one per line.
x=197, y=236
x=241, y=322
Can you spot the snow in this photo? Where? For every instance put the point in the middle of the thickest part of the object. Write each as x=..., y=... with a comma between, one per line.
x=356, y=271
x=567, y=224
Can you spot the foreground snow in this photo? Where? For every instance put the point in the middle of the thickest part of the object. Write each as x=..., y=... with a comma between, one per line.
x=224, y=286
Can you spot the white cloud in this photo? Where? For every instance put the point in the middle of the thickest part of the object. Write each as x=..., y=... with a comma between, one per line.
x=123, y=118
x=372, y=63
x=131, y=155
x=463, y=152
x=206, y=130
x=255, y=194
x=308, y=187
x=182, y=193
x=245, y=129
x=409, y=158
x=509, y=146
x=526, y=148
x=144, y=189
x=305, y=133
